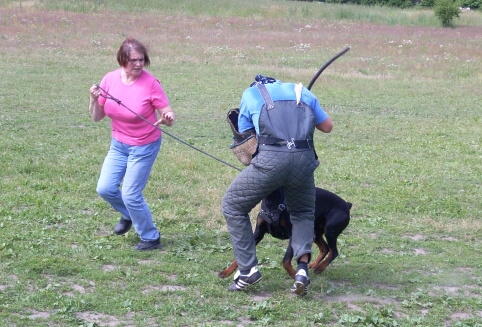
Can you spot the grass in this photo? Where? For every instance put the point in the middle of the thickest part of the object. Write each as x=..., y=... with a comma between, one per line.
x=405, y=151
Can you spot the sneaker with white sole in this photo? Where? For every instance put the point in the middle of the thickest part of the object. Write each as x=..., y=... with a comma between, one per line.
x=243, y=281
x=302, y=281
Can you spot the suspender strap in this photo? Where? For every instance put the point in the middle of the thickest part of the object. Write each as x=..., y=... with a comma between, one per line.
x=265, y=95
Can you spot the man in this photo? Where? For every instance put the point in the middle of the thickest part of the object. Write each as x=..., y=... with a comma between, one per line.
x=284, y=116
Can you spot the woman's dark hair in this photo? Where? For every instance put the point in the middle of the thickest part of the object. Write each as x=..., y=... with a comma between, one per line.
x=125, y=49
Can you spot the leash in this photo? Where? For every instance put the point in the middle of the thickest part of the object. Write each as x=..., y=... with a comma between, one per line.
x=119, y=102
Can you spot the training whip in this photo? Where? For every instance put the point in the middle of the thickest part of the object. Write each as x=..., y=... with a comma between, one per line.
x=313, y=80
x=109, y=96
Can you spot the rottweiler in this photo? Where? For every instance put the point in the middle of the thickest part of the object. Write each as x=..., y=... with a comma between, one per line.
x=332, y=216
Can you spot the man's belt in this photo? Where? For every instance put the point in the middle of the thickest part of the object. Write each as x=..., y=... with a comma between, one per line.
x=300, y=144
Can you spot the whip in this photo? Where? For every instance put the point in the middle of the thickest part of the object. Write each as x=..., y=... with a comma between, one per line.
x=328, y=63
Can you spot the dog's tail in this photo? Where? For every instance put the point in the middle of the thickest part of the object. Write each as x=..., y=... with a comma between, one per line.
x=349, y=205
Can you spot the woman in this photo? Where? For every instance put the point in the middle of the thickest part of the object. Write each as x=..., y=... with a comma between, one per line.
x=135, y=143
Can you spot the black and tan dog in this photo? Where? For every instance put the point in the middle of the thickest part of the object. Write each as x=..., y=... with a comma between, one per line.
x=332, y=215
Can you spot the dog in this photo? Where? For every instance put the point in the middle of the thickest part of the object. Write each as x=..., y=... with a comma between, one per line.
x=332, y=216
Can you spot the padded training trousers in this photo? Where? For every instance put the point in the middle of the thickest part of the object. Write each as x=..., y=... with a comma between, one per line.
x=272, y=168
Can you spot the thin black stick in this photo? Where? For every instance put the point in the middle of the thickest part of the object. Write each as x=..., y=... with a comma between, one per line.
x=313, y=80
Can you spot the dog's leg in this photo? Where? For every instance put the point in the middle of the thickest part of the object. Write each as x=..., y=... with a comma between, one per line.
x=228, y=271
x=336, y=223
x=324, y=251
x=324, y=259
x=288, y=257
x=259, y=231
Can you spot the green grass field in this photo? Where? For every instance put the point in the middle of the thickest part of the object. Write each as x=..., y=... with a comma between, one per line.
x=405, y=150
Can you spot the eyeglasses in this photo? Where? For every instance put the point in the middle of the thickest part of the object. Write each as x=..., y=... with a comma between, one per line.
x=139, y=61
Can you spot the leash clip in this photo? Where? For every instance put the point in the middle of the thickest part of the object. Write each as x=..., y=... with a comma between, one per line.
x=290, y=144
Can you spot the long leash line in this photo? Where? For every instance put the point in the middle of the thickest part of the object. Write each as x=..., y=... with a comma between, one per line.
x=119, y=102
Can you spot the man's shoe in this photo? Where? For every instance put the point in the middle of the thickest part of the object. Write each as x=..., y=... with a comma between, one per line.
x=122, y=226
x=148, y=245
x=243, y=281
x=302, y=281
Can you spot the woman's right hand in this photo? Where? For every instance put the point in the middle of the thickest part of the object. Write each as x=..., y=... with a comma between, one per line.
x=96, y=110
x=95, y=92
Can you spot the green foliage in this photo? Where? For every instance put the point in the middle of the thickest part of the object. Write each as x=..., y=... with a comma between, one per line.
x=427, y=3
x=389, y=3
x=472, y=4
x=446, y=11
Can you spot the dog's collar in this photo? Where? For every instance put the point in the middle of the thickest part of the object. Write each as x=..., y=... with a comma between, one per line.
x=272, y=217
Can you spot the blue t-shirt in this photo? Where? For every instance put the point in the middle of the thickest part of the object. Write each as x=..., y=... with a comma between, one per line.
x=251, y=103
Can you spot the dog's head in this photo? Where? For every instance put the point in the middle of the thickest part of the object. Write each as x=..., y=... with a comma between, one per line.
x=273, y=200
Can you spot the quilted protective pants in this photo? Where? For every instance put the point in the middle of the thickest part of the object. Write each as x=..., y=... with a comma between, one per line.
x=272, y=168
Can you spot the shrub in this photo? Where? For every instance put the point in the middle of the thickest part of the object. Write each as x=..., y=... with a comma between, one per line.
x=427, y=3
x=446, y=11
x=472, y=4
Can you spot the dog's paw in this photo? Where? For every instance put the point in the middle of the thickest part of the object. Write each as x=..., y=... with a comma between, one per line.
x=223, y=274
x=320, y=267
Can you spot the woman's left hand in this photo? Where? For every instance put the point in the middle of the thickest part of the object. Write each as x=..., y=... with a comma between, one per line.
x=167, y=118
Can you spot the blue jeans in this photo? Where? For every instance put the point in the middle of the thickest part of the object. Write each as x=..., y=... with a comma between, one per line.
x=131, y=166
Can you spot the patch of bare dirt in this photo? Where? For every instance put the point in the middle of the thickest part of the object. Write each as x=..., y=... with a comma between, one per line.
x=262, y=296
x=104, y=320
x=355, y=302
x=353, y=298
x=148, y=262
x=107, y=268
x=39, y=315
x=416, y=237
x=81, y=289
x=466, y=291
x=13, y=279
x=164, y=288
x=460, y=315
x=419, y=251
x=449, y=239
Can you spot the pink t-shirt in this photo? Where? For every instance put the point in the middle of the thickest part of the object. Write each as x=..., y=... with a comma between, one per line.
x=143, y=97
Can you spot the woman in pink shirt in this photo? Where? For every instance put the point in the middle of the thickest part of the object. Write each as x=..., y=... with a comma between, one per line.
x=135, y=143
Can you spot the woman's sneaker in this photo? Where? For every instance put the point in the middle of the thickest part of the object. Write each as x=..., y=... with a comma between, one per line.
x=122, y=226
x=302, y=281
x=243, y=281
x=148, y=245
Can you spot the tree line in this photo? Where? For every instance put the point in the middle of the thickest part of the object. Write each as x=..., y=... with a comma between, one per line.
x=472, y=4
